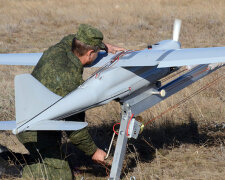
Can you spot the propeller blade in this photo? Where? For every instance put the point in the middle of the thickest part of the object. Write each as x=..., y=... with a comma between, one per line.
x=176, y=29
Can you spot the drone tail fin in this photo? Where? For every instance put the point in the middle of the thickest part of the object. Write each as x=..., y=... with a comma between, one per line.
x=31, y=97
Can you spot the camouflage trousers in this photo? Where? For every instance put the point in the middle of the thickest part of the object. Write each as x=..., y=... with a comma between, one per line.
x=48, y=160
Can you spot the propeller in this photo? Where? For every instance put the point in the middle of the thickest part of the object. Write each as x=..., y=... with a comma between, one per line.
x=176, y=29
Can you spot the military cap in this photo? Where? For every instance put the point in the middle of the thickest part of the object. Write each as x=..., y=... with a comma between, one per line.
x=90, y=36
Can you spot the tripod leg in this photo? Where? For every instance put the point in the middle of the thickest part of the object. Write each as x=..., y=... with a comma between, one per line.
x=121, y=144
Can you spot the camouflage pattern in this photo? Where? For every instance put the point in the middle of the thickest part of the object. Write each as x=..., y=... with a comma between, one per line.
x=47, y=158
x=81, y=138
x=50, y=169
x=61, y=72
x=90, y=36
x=45, y=149
x=59, y=69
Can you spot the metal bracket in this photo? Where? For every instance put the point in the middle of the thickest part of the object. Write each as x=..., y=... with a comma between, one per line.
x=134, y=128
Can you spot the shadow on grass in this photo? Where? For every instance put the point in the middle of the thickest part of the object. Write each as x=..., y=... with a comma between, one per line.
x=163, y=138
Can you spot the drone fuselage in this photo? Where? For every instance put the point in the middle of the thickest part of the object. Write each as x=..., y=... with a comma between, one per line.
x=106, y=85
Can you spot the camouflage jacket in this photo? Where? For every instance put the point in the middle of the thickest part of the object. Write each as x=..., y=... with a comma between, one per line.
x=61, y=72
x=59, y=69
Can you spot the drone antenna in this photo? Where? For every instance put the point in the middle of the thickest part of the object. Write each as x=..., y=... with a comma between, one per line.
x=176, y=29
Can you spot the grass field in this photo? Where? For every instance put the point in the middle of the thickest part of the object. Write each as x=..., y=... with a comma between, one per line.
x=188, y=141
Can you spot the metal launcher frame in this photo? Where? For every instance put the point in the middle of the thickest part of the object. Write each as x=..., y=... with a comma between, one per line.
x=129, y=127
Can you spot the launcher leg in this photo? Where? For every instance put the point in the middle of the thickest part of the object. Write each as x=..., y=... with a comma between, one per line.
x=121, y=144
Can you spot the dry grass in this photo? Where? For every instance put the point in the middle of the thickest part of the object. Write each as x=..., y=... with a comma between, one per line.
x=187, y=142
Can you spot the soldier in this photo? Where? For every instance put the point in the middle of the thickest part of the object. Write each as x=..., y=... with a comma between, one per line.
x=60, y=69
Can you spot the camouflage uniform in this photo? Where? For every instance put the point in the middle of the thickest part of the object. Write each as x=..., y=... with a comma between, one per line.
x=61, y=72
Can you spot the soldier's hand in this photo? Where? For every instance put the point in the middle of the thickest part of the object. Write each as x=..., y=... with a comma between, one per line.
x=114, y=49
x=99, y=155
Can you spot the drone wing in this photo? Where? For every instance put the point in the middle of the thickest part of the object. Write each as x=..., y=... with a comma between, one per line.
x=164, y=57
x=7, y=125
x=25, y=59
x=147, y=57
x=46, y=125
x=193, y=56
x=31, y=59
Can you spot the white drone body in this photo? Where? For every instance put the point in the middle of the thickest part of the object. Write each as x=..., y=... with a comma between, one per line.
x=131, y=77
